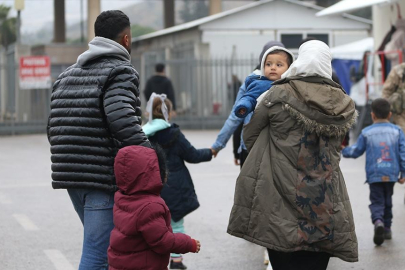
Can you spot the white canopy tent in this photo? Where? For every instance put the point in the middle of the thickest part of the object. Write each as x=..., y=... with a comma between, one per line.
x=354, y=50
x=350, y=5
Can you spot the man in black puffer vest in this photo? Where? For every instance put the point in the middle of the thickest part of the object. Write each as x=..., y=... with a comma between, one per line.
x=95, y=111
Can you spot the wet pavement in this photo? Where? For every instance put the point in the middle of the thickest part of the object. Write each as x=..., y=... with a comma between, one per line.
x=39, y=228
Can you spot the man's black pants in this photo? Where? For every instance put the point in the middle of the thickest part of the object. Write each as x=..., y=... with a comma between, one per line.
x=299, y=260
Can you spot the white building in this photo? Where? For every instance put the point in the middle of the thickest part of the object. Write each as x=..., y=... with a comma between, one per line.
x=235, y=34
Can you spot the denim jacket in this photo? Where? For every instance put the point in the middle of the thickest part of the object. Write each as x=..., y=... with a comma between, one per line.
x=232, y=123
x=384, y=144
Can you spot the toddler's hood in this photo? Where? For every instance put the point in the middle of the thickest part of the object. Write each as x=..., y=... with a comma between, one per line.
x=136, y=169
x=274, y=48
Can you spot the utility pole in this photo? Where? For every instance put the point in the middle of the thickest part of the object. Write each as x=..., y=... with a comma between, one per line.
x=215, y=6
x=93, y=10
x=59, y=23
x=168, y=11
x=81, y=23
x=18, y=5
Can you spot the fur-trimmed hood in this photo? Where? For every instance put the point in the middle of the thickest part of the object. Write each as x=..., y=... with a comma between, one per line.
x=318, y=104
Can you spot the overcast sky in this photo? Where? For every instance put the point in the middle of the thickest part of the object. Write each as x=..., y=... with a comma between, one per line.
x=37, y=13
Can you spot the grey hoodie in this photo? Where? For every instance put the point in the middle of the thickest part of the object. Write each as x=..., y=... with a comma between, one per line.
x=100, y=46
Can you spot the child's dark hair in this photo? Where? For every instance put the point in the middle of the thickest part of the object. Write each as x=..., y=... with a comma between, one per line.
x=289, y=57
x=381, y=108
x=162, y=161
x=157, y=108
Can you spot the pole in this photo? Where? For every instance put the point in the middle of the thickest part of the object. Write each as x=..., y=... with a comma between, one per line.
x=215, y=6
x=18, y=5
x=18, y=27
x=168, y=12
x=81, y=22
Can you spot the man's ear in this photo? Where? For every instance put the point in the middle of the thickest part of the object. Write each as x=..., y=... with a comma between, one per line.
x=389, y=115
x=126, y=41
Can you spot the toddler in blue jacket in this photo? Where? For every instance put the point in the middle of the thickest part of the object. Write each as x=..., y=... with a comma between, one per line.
x=384, y=144
x=276, y=60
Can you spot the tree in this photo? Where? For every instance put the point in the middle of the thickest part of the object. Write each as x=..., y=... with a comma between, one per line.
x=139, y=30
x=192, y=11
x=8, y=27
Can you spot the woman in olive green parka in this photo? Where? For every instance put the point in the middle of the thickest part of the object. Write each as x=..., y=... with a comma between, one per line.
x=290, y=196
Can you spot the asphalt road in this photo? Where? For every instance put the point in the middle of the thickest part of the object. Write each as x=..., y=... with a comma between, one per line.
x=39, y=228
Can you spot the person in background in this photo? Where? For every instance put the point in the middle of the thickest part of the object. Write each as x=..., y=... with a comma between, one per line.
x=233, y=89
x=160, y=84
x=178, y=192
x=394, y=92
x=384, y=144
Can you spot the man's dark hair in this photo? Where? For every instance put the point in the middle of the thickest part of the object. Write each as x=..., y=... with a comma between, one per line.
x=109, y=24
x=381, y=108
x=162, y=161
x=159, y=67
x=289, y=57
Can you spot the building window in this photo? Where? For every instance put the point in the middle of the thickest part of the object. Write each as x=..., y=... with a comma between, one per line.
x=321, y=37
x=291, y=41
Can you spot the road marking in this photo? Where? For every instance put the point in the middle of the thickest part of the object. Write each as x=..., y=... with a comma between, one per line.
x=25, y=222
x=4, y=199
x=47, y=184
x=58, y=259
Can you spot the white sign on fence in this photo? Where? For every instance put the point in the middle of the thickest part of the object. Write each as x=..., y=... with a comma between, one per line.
x=35, y=72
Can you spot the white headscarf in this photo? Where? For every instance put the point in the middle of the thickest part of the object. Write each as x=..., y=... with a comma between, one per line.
x=314, y=59
x=149, y=106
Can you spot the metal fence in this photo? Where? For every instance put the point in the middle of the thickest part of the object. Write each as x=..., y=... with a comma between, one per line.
x=205, y=92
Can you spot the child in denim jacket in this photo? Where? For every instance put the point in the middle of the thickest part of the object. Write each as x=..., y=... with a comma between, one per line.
x=384, y=144
x=276, y=60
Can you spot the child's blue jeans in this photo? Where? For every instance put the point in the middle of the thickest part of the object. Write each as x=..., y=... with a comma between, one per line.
x=178, y=227
x=381, y=202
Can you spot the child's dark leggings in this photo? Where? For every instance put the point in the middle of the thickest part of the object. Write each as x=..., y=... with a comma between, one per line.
x=302, y=260
x=381, y=202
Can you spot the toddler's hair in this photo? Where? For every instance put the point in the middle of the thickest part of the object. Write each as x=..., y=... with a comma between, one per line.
x=289, y=57
x=381, y=108
x=157, y=108
x=161, y=156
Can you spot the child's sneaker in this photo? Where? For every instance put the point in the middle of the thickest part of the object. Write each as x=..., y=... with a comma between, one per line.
x=387, y=234
x=378, y=232
x=177, y=265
